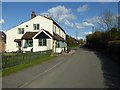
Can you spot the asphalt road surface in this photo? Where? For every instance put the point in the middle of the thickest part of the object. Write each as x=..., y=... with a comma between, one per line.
x=83, y=69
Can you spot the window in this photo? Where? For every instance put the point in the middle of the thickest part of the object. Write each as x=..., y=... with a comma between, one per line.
x=20, y=30
x=42, y=42
x=57, y=44
x=36, y=26
x=28, y=43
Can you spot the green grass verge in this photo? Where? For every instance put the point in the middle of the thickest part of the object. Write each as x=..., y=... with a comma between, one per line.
x=8, y=71
x=72, y=47
x=0, y=73
x=9, y=54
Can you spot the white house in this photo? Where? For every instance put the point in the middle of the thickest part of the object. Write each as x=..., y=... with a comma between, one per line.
x=40, y=33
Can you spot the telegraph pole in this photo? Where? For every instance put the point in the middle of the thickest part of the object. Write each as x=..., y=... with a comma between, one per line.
x=76, y=35
x=93, y=29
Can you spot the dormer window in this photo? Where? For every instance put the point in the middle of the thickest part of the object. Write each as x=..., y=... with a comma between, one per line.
x=20, y=30
x=36, y=26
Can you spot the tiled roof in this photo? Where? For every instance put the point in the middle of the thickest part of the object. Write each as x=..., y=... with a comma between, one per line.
x=29, y=35
x=17, y=40
x=57, y=37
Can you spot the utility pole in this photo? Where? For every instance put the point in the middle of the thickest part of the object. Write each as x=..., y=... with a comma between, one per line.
x=76, y=35
x=93, y=29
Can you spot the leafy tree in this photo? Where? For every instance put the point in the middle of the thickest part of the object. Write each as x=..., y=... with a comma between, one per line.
x=72, y=42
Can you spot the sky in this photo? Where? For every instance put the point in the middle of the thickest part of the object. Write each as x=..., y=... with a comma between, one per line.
x=73, y=17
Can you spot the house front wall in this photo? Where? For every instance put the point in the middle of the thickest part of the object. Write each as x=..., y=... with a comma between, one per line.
x=59, y=31
x=12, y=34
x=37, y=48
x=43, y=24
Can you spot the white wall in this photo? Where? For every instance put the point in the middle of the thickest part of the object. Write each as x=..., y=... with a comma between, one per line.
x=62, y=34
x=46, y=24
x=12, y=34
x=49, y=44
x=59, y=50
x=36, y=47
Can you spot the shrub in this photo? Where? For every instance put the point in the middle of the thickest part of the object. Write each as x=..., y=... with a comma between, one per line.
x=114, y=46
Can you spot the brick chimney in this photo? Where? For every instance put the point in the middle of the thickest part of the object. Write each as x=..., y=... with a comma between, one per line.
x=33, y=15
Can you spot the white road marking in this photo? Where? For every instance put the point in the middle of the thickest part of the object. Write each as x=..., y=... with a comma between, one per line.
x=53, y=67
x=21, y=86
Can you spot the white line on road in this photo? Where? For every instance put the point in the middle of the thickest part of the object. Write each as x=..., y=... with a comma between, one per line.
x=21, y=86
x=53, y=66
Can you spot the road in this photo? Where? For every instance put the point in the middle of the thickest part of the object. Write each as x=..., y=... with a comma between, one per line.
x=81, y=70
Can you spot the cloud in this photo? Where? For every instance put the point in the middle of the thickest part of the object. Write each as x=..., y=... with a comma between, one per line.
x=2, y=21
x=86, y=33
x=78, y=38
x=93, y=20
x=63, y=15
x=82, y=25
x=83, y=8
x=78, y=26
x=87, y=24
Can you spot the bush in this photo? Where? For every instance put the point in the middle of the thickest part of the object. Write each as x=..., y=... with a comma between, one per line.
x=107, y=42
x=114, y=46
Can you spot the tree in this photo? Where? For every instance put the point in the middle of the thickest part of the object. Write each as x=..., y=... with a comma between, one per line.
x=118, y=18
x=107, y=20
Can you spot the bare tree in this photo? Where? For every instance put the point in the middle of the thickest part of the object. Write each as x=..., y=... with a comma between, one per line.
x=106, y=20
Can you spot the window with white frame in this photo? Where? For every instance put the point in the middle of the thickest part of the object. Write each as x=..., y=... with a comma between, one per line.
x=20, y=30
x=36, y=26
x=42, y=42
